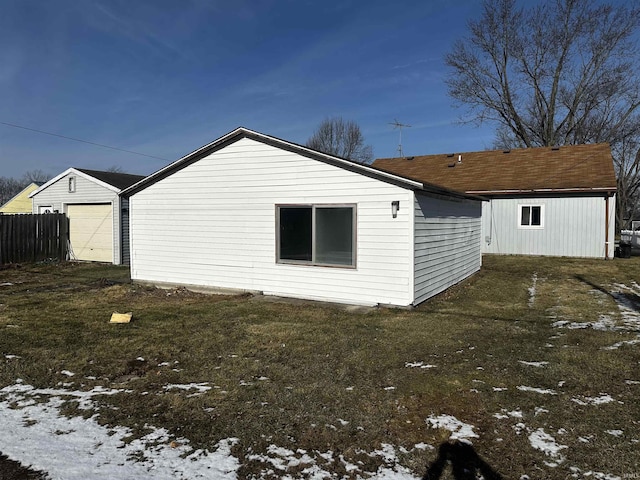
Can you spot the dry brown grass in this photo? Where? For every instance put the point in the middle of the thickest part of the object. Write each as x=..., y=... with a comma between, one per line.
x=291, y=374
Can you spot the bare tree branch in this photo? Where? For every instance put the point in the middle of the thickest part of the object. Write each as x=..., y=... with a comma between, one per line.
x=35, y=176
x=341, y=138
x=564, y=72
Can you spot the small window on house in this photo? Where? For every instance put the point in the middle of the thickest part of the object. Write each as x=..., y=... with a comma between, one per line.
x=531, y=216
x=316, y=234
x=72, y=184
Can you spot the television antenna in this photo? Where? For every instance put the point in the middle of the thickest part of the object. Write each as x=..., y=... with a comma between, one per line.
x=399, y=126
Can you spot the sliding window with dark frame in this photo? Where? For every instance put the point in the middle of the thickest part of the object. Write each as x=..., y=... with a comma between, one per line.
x=323, y=235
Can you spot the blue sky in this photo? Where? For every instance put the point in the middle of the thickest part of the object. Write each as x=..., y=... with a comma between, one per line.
x=166, y=77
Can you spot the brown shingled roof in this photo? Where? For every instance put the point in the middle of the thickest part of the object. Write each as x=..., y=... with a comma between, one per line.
x=544, y=169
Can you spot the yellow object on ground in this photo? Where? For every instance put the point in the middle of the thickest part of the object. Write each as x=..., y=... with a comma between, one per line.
x=121, y=317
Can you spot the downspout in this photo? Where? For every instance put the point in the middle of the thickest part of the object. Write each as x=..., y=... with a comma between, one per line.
x=606, y=227
x=489, y=237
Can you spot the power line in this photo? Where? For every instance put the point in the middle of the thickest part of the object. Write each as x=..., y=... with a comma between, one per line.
x=82, y=141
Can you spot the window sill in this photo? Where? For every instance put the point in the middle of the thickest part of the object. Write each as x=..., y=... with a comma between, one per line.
x=311, y=264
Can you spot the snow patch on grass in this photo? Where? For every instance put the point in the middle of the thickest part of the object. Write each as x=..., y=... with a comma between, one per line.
x=533, y=364
x=541, y=391
x=459, y=430
x=617, y=345
x=627, y=308
x=418, y=365
x=603, y=324
x=539, y=411
x=623, y=295
x=199, y=387
x=540, y=440
x=75, y=448
x=505, y=414
x=322, y=465
x=601, y=400
x=36, y=434
x=21, y=392
x=532, y=290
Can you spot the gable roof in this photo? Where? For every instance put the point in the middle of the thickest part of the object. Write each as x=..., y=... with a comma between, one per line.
x=571, y=168
x=113, y=181
x=241, y=132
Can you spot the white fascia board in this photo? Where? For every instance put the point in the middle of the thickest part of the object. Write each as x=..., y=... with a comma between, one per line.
x=78, y=173
x=410, y=184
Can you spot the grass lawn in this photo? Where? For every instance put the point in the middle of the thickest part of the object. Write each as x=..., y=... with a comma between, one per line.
x=540, y=356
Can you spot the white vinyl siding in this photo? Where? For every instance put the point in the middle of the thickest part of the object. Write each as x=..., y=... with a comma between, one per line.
x=574, y=226
x=57, y=195
x=447, y=243
x=213, y=224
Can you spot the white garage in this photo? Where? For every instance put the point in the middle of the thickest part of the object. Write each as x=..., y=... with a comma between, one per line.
x=98, y=217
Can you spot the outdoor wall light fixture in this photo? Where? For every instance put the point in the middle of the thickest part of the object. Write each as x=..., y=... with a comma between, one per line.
x=395, y=206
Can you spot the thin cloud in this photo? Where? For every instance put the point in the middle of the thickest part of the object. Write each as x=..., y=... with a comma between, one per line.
x=130, y=27
x=413, y=64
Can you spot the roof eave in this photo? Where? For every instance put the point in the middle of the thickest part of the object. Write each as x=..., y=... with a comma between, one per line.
x=242, y=132
x=75, y=171
x=543, y=191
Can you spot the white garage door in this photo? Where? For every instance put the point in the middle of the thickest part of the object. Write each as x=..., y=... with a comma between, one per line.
x=91, y=232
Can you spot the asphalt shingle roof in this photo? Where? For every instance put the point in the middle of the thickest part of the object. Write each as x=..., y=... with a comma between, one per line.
x=118, y=180
x=542, y=169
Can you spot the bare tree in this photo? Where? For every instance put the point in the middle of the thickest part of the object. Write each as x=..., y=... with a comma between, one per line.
x=9, y=188
x=35, y=176
x=115, y=169
x=341, y=138
x=563, y=72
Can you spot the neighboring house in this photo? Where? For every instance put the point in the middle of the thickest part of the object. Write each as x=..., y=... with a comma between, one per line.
x=252, y=212
x=557, y=201
x=98, y=218
x=20, y=203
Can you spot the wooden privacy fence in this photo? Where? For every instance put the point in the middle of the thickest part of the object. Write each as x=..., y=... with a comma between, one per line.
x=32, y=238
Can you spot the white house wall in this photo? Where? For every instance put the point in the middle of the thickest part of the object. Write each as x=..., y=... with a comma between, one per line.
x=447, y=243
x=574, y=226
x=86, y=192
x=213, y=224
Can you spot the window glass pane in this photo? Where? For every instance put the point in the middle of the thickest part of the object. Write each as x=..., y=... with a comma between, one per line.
x=526, y=215
x=334, y=235
x=295, y=233
x=535, y=216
